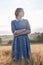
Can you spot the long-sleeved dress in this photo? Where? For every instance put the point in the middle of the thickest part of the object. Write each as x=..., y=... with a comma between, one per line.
x=20, y=44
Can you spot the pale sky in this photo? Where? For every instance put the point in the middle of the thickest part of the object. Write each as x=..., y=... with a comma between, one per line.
x=33, y=12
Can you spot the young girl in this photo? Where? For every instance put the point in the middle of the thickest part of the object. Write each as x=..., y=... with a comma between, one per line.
x=21, y=52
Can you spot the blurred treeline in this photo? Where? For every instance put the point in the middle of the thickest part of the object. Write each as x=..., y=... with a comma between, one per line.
x=34, y=38
x=38, y=39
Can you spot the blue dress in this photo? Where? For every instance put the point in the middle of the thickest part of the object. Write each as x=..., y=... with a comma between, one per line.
x=20, y=44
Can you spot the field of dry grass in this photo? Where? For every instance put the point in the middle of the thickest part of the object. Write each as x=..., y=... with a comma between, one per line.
x=36, y=49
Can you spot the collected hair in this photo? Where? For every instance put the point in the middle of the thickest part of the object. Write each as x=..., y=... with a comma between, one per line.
x=18, y=10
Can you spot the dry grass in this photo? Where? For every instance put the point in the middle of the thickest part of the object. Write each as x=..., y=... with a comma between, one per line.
x=36, y=49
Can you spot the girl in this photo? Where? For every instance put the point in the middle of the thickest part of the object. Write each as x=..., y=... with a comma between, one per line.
x=21, y=52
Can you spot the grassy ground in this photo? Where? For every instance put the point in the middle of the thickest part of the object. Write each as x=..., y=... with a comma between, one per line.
x=37, y=55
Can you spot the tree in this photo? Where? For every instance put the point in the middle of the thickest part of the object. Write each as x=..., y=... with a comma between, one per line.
x=40, y=38
x=0, y=40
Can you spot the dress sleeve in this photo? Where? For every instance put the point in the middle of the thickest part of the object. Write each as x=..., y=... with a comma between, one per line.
x=12, y=27
x=28, y=26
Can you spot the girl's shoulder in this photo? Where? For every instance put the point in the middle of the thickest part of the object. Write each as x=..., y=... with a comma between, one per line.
x=13, y=21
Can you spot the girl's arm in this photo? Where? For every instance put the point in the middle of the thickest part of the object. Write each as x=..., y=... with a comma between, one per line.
x=26, y=31
x=23, y=32
x=13, y=28
x=19, y=31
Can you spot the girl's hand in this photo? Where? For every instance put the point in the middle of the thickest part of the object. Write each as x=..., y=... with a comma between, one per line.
x=24, y=29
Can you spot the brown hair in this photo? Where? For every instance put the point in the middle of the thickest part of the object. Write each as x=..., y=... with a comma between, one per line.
x=18, y=10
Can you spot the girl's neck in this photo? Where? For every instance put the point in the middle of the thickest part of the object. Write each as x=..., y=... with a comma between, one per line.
x=19, y=18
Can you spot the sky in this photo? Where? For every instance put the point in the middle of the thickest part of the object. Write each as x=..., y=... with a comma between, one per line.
x=33, y=12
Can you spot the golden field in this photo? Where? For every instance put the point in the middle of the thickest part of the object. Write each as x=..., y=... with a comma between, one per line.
x=36, y=50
